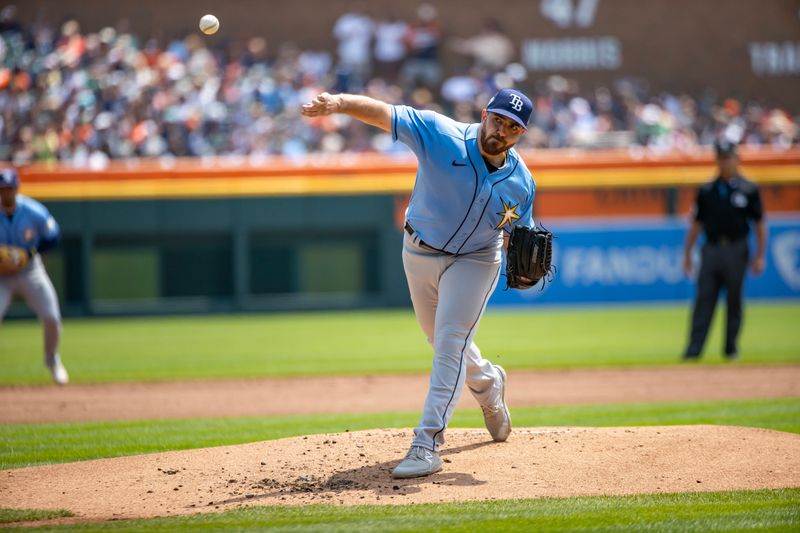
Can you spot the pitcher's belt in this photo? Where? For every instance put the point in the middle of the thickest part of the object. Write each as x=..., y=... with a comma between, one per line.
x=422, y=243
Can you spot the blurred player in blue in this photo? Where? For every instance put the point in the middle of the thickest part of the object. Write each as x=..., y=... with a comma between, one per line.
x=26, y=231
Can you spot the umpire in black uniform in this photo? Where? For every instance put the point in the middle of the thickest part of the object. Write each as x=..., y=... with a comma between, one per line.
x=725, y=209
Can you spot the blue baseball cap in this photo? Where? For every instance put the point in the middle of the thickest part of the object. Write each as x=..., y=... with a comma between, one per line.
x=9, y=178
x=512, y=104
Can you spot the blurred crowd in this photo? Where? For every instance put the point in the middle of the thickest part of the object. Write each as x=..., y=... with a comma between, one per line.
x=87, y=98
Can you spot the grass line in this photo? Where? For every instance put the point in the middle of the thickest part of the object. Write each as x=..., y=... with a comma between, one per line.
x=764, y=510
x=244, y=346
x=32, y=444
x=8, y=515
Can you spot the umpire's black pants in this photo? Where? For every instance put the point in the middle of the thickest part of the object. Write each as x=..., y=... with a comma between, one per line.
x=723, y=265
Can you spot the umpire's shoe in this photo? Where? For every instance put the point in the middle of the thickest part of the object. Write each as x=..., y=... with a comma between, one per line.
x=418, y=462
x=497, y=417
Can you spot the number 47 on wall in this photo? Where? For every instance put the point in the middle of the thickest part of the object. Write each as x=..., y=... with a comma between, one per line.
x=566, y=13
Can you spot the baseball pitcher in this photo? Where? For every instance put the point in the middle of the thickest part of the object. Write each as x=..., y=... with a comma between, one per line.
x=472, y=189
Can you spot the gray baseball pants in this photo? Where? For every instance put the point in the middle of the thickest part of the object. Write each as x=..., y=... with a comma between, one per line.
x=37, y=290
x=449, y=294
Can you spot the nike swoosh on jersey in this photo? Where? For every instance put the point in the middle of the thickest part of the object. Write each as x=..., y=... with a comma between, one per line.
x=458, y=163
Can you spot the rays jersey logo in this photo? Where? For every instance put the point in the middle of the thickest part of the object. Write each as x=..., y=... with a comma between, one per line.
x=508, y=214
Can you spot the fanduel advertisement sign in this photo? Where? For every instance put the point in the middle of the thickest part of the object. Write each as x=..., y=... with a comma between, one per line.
x=641, y=260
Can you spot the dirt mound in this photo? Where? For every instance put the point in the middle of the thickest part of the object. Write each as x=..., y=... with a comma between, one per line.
x=354, y=468
x=371, y=394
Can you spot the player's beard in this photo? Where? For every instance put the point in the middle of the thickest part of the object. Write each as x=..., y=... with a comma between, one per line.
x=493, y=145
x=8, y=200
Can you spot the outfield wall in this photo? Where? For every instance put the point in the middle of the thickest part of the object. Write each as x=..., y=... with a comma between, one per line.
x=227, y=235
x=641, y=260
x=230, y=254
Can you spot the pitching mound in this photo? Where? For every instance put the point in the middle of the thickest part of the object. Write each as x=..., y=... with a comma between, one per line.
x=354, y=468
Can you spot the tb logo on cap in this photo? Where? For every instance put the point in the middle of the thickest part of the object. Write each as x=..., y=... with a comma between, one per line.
x=516, y=103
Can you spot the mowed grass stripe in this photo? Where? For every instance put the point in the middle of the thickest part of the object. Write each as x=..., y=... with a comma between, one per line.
x=241, y=346
x=762, y=510
x=34, y=444
x=8, y=515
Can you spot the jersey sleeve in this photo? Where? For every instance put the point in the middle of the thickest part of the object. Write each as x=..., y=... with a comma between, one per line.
x=49, y=231
x=699, y=209
x=525, y=214
x=412, y=126
x=754, y=206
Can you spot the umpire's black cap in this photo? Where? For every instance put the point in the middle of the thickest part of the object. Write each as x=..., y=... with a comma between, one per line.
x=725, y=149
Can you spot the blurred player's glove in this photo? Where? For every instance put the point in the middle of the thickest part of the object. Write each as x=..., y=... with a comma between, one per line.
x=12, y=259
x=529, y=257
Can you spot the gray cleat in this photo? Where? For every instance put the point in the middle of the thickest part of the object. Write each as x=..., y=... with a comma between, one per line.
x=497, y=417
x=418, y=462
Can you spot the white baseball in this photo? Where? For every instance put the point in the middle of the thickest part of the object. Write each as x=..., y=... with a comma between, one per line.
x=209, y=24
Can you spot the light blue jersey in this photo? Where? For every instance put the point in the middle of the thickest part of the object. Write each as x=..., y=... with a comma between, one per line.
x=30, y=226
x=457, y=205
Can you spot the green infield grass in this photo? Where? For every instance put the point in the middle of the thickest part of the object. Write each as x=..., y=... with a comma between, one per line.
x=235, y=346
x=762, y=510
x=8, y=515
x=33, y=444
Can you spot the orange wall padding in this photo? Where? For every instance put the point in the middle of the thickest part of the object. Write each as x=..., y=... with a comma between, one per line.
x=569, y=182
